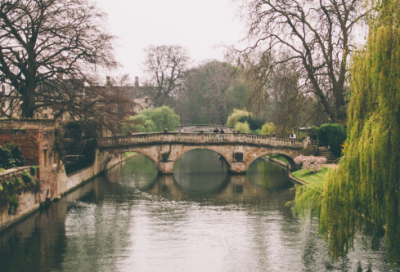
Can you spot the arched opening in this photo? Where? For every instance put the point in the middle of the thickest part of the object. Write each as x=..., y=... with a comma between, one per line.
x=120, y=154
x=201, y=171
x=266, y=174
x=287, y=159
x=138, y=172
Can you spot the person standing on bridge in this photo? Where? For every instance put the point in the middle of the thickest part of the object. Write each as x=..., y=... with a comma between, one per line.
x=216, y=132
x=222, y=132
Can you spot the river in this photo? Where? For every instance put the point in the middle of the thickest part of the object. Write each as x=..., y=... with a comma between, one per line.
x=199, y=219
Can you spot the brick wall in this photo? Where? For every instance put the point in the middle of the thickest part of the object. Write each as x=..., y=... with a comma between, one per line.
x=36, y=140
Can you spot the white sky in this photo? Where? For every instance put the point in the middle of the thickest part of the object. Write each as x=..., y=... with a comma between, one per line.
x=199, y=25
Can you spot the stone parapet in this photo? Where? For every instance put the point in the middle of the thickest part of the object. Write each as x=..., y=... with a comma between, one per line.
x=201, y=138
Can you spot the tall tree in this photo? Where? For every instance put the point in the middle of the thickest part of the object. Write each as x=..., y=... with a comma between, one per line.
x=317, y=34
x=212, y=90
x=166, y=67
x=366, y=186
x=40, y=39
x=278, y=93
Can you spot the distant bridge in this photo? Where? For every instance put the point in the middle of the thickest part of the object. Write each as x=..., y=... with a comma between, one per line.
x=165, y=149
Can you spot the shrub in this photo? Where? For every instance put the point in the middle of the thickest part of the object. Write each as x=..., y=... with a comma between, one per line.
x=10, y=156
x=13, y=204
x=333, y=135
x=268, y=128
x=242, y=127
x=310, y=162
x=234, y=117
x=152, y=120
x=26, y=177
x=18, y=181
x=253, y=122
x=34, y=169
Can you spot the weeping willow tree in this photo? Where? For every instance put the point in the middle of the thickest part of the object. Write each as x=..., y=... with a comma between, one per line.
x=363, y=193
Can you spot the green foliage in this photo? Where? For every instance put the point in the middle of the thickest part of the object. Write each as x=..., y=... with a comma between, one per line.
x=308, y=176
x=333, y=135
x=18, y=181
x=257, y=131
x=138, y=123
x=34, y=169
x=10, y=156
x=253, y=122
x=10, y=189
x=268, y=128
x=279, y=157
x=242, y=127
x=152, y=120
x=26, y=177
x=2, y=170
x=365, y=189
x=234, y=117
x=13, y=204
x=213, y=90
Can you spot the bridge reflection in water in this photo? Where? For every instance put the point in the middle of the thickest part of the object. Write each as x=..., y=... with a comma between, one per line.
x=201, y=176
x=135, y=220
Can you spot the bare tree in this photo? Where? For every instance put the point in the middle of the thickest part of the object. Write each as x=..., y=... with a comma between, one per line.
x=317, y=33
x=40, y=39
x=166, y=67
x=278, y=92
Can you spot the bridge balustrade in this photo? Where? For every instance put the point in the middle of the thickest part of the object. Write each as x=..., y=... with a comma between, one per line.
x=204, y=138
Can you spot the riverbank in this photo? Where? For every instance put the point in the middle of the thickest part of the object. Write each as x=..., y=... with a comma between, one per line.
x=298, y=176
x=30, y=201
x=317, y=178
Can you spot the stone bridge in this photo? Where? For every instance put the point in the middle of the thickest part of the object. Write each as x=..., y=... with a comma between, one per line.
x=165, y=149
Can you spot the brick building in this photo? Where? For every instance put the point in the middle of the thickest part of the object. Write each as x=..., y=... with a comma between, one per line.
x=36, y=140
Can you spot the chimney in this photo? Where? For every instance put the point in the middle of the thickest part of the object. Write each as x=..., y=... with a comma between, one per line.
x=108, y=81
x=136, y=81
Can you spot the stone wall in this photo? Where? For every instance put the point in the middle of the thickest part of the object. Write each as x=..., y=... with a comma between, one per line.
x=36, y=141
x=28, y=201
x=204, y=128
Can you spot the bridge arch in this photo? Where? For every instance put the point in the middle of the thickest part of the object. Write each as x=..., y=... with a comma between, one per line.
x=109, y=156
x=187, y=149
x=292, y=165
x=238, y=150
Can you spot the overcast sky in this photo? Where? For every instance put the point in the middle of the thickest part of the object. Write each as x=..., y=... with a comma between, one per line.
x=200, y=26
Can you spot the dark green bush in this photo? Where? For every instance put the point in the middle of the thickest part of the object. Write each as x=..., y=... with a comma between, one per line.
x=13, y=204
x=11, y=156
x=26, y=177
x=253, y=122
x=34, y=169
x=18, y=181
x=333, y=135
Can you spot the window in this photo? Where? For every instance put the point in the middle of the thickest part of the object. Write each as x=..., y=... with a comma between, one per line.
x=146, y=100
x=45, y=158
x=54, y=154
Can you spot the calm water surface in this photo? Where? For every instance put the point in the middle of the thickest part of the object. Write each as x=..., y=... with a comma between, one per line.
x=199, y=219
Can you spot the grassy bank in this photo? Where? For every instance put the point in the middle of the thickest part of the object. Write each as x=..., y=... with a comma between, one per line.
x=278, y=157
x=309, y=176
x=127, y=154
